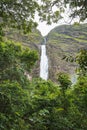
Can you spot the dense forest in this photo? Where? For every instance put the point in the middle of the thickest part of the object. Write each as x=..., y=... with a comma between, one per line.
x=36, y=104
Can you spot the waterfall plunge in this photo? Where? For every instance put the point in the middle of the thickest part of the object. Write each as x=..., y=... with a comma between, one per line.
x=44, y=62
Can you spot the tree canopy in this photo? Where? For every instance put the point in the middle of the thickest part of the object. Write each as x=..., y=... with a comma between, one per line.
x=18, y=13
x=21, y=13
x=76, y=7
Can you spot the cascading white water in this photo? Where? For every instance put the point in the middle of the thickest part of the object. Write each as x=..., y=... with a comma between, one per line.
x=74, y=78
x=44, y=62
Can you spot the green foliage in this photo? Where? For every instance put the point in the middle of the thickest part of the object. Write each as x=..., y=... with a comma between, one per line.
x=81, y=59
x=9, y=53
x=64, y=80
x=14, y=61
x=77, y=8
x=29, y=58
x=21, y=14
x=79, y=102
x=13, y=104
x=18, y=13
x=42, y=106
x=14, y=85
x=44, y=99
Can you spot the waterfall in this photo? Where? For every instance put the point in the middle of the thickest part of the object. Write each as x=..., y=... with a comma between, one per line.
x=44, y=62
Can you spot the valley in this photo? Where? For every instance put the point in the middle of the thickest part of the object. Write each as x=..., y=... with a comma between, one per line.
x=64, y=40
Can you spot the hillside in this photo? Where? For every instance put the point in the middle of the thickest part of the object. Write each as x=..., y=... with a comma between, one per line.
x=31, y=40
x=64, y=40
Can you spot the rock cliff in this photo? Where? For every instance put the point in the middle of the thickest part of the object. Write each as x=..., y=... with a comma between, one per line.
x=64, y=40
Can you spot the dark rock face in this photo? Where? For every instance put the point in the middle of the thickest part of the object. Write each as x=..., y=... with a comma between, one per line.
x=64, y=40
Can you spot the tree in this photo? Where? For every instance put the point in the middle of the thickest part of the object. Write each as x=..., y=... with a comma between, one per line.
x=81, y=60
x=44, y=96
x=15, y=61
x=12, y=98
x=64, y=81
x=77, y=8
x=78, y=101
x=14, y=85
x=21, y=13
x=18, y=13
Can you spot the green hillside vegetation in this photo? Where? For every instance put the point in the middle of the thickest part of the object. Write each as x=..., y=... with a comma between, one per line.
x=65, y=40
x=31, y=39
